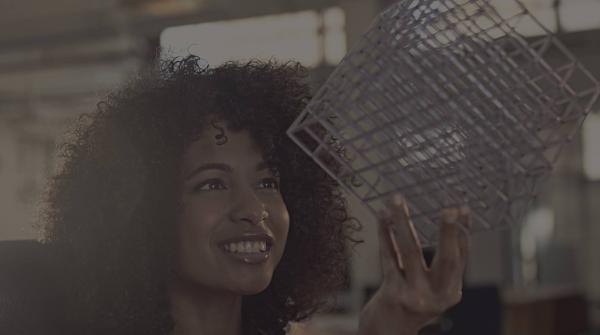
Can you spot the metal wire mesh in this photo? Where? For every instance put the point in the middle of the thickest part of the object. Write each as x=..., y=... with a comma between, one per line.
x=447, y=103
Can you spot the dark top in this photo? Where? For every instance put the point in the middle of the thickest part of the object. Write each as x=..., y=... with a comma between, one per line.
x=30, y=302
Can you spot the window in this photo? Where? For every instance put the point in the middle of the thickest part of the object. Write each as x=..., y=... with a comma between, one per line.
x=591, y=147
x=578, y=15
x=573, y=15
x=310, y=37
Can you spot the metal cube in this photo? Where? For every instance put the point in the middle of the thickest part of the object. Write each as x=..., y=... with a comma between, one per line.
x=446, y=102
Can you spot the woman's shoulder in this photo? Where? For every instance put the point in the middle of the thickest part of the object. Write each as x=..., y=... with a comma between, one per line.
x=29, y=288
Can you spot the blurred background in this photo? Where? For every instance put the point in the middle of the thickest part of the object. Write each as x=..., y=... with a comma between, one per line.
x=58, y=58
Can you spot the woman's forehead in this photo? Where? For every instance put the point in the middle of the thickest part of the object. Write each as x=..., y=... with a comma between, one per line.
x=219, y=144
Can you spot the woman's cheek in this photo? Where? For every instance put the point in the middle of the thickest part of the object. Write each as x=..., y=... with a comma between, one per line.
x=283, y=227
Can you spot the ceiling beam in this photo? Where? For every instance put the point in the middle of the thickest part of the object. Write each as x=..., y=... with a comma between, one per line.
x=105, y=23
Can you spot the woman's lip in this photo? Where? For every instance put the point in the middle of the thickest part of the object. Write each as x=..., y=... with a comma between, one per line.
x=250, y=258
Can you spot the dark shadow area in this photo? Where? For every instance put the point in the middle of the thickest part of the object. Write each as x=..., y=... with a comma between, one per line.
x=30, y=301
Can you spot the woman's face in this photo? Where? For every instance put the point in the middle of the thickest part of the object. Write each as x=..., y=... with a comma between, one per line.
x=234, y=224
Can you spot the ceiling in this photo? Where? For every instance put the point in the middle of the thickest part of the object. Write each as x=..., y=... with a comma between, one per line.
x=35, y=23
x=59, y=55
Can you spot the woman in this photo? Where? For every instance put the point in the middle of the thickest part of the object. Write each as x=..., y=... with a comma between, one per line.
x=183, y=208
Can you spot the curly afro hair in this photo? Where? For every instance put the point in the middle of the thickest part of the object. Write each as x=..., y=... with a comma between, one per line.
x=109, y=212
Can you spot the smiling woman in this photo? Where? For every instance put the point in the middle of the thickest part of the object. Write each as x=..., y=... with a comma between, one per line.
x=183, y=207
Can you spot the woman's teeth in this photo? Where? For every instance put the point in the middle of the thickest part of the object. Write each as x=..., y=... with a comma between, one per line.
x=246, y=246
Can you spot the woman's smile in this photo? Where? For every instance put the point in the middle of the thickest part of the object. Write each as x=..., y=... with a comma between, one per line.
x=249, y=247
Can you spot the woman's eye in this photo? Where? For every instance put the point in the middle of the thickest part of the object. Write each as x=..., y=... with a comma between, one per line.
x=269, y=183
x=210, y=185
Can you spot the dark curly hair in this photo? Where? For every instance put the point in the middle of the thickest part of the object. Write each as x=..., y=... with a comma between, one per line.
x=109, y=212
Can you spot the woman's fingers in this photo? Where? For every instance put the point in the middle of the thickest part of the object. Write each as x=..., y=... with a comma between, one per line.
x=446, y=263
x=465, y=222
x=451, y=256
x=406, y=240
x=390, y=261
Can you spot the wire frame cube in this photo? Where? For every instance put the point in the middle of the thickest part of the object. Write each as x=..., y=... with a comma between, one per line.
x=446, y=102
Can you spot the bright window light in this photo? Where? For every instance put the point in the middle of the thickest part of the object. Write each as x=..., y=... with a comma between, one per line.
x=334, y=36
x=542, y=10
x=591, y=147
x=576, y=15
x=536, y=232
x=297, y=36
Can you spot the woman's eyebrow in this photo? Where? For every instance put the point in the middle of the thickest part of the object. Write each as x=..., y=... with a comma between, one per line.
x=210, y=166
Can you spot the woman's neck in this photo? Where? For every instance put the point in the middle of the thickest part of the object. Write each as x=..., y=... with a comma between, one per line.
x=198, y=311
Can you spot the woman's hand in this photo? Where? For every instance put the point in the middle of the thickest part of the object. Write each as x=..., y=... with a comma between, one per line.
x=413, y=294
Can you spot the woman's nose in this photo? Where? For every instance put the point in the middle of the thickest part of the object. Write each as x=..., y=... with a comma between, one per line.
x=249, y=207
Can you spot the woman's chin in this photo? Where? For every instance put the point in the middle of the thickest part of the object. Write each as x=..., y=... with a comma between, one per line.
x=253, y=286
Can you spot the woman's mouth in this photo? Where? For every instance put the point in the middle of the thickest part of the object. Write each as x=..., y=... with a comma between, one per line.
x=248, y=249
